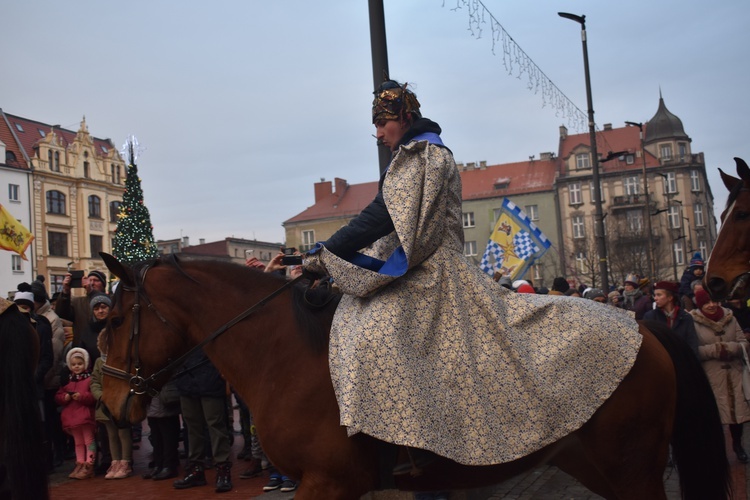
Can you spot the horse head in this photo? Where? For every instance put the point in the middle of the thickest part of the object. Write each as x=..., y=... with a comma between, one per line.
x=139, y=344
x=728, y=267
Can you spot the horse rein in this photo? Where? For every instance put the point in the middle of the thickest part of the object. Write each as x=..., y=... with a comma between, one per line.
x=140, y=385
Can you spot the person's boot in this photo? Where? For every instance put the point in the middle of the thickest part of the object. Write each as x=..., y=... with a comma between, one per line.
x=195, y=475
x=124, y=470
x=112, y=469
x=86, y=472
x=76, y=470
x=417, y=460
x=223, y=477
x=735, y=430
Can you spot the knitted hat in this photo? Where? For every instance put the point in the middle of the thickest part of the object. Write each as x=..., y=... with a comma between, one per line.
x=560, y=284
x=506, y=282
x=594, y=293
x=525, y=288
x=613, y=295
x=99, y=275
x=77, y=352
x=702, y=298
x=697, y=260
x=99, y=298
x=39, y=291
x=24, y=296
x=669, y=286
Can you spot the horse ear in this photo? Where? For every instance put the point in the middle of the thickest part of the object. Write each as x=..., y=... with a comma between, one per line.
x=117, y=268
x=742, y=169
x=728, y=180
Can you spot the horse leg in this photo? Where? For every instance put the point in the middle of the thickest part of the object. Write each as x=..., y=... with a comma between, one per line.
x=625, y=444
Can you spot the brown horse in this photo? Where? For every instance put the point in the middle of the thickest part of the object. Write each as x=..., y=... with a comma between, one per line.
x=275, y=355
x=728, y=268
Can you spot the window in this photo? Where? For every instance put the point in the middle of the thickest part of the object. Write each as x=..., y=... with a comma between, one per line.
x=682, y=148
x=695, y=181
x=496, y=215
x=629, y=159
x=56, y=167
x=95, y=207
x=114, y=210
x=308, y=240
x=468, y=218
x=666, y=152
x=49, y=158
x=574, y=191
x=670, y=183
x=583, y=161
x=115, y=171
x=698, y=212
x=673, y=214
x=631, y=185
x=55, y=202
x=86, y=164
x=703, y=248
x=601, y=191
x=579, y=229
x=56, y=283
x=16, y=264
x=532, y=211
x=470, y=248
x=13, y=192
x=679, y=253
x=635, y=220
x=96, y=245
x=581, y=262
x=58, y=244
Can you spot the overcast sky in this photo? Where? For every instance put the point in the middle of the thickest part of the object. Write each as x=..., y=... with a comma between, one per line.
x=242, y=105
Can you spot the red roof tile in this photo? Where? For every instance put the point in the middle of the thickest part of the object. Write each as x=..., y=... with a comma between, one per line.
x=616, y=139
x=347, y=204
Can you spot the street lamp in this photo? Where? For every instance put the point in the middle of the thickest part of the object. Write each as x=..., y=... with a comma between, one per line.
x=598, y=219
x=646, y=209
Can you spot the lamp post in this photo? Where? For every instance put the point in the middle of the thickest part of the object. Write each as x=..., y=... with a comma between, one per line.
x=598, y=219
x=649, y=237
x=379, y=49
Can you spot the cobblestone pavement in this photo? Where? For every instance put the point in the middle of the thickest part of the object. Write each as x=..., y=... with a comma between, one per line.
x=542, y=483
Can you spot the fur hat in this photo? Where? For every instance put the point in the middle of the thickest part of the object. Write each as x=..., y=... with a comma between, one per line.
x=560, y=284
x=697, y=260
x=99, y=298
x=100, y=276
x=669, y=286
x=77, y=352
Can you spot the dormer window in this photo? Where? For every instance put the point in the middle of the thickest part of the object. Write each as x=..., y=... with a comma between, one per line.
x=583, y=161
x=502, y=183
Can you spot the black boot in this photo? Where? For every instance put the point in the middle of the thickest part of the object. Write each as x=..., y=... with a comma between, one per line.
x=194, y=476
x=417, y=460
x=223, y=477
x=736, y=431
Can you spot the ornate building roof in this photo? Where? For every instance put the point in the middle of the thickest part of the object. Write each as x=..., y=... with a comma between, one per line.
x=664, y=125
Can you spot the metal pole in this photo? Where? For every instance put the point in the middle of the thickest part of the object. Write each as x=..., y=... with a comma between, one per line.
x=647, y=209
x=379, y=49
x=601, y=244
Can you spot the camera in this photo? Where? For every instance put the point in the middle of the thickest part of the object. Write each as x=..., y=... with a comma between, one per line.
x=289, y=259
x=76, y=279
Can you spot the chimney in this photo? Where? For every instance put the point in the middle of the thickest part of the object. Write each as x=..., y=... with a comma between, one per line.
x=546, y=156
x=341, y=186
x=323, y=189
x=482, y=164
x=201, y=241
x=186, y=241
x=607, y=126
x=563, y=132
x=470, y=165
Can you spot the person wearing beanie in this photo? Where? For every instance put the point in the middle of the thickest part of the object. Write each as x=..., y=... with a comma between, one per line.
x=78, y=310
x=693, y=272
x=720, y=349
x=596, y=295
x=668, y=311
x=559, y=286
x=77, y=414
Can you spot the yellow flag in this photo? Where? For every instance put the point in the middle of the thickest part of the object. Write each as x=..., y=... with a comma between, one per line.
x=13, y=236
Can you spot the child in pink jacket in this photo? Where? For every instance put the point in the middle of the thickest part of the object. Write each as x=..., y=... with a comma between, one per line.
x=78, y=412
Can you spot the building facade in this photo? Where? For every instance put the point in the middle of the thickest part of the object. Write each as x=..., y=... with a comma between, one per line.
x=77, y=184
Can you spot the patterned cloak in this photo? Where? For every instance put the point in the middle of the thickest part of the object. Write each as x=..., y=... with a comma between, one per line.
x=431, y=353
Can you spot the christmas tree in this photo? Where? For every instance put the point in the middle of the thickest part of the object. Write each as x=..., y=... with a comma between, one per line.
x=134, y=237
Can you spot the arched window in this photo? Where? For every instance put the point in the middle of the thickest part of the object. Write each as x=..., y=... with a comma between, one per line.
x=114, y=209
x=95, y=207
x=55, y=202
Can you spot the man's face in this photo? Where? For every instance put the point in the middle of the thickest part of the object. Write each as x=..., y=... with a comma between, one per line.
x=390, y=132
x=662, y=298
x=93, y=284
x=629, y=287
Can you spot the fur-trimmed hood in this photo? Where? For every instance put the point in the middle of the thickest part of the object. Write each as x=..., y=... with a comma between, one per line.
x=716, y=326
x=80, y=352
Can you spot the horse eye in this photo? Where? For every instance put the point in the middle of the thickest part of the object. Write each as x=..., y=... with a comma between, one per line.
x=742, y=215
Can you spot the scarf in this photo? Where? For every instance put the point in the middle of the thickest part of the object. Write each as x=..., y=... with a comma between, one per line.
x=629, y=298
x=81, y=376
x=715, y=316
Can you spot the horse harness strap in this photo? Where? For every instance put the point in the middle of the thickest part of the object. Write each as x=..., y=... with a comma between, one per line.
x=140, y=385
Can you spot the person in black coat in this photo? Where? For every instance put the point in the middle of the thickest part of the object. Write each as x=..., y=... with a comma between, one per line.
x=666, y=297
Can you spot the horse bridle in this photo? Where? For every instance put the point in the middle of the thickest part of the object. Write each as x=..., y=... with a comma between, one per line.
x=140, y=385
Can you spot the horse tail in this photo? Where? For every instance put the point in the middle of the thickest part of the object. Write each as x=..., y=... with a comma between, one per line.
x=698, y=445
x=23, y=462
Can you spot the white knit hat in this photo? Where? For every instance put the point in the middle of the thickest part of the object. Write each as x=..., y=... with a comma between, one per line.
x=24, y=298
x=78, y=352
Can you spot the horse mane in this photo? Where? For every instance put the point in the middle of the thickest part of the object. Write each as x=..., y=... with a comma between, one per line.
x=313, y=308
